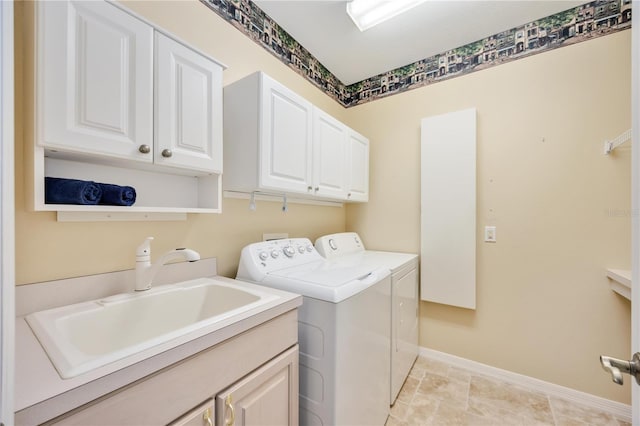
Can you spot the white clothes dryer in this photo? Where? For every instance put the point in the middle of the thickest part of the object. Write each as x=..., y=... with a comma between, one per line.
x=343, y=329
x=347, y=249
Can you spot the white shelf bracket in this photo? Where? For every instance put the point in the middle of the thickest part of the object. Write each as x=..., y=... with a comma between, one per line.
x=614, y=143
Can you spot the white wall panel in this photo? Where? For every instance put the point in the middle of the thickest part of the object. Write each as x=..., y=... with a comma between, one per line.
x=448, y=216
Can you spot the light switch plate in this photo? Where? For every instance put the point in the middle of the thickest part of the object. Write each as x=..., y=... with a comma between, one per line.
x=489, y=234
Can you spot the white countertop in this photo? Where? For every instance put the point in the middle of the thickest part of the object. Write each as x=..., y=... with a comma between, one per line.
x=41, y=394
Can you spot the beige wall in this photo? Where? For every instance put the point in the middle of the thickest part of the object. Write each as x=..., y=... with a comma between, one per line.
x=49, y=250
x=544, y=307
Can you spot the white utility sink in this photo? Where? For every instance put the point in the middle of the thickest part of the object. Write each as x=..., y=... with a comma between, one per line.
x=84, y=336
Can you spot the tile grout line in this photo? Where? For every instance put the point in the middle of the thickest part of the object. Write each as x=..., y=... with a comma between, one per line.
x=553, y=411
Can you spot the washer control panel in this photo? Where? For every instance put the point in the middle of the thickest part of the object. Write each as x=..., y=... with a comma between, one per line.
x=335, y=245
x=277, y=254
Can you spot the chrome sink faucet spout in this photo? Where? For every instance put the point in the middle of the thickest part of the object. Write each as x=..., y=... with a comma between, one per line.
x=146, y=271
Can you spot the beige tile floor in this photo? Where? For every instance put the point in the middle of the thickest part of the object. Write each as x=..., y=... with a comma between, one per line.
x=438, y=394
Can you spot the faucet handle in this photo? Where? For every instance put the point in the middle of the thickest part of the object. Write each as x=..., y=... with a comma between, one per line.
x=143, y=252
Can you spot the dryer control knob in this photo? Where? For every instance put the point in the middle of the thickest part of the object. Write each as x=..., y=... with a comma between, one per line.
x=275, y=254
x=289, y=251
x=263, y=255
x=301, y=250
x=309, y=248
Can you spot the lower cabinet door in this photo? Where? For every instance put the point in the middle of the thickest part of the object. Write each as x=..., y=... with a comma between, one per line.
x=267, y=396
x=202, y=415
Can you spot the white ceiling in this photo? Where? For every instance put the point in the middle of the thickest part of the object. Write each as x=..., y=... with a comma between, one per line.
x=326, y=31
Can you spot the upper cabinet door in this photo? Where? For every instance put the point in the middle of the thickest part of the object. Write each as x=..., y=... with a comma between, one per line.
x=358, y=189
x=188, y=88
x=95, y=68
x=329, y=156
x=286, y=139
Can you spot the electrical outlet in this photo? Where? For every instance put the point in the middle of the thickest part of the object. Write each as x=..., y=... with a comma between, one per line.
x=490, y=234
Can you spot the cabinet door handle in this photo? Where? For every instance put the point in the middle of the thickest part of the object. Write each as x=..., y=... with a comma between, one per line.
x=309, y=188
x=317, y=188
x=145, y=149
x=232, y=414
x=207, y=417
x=166, y=153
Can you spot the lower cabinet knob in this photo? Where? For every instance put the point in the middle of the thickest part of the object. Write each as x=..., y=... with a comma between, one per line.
x=145, y=149
x=166, y=153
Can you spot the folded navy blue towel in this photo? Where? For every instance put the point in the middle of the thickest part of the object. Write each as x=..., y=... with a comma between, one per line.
x=71, y=191
x=116, y=195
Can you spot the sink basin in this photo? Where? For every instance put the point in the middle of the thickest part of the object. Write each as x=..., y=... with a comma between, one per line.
x=84, y=336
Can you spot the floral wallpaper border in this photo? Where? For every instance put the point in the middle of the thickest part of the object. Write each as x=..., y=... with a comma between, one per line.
x=585, y=22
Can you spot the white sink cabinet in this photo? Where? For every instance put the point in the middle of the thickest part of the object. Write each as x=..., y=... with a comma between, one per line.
x=248, y=361
x=276, y=141
x=268, y=394
x=140, y=107
x=202, y=415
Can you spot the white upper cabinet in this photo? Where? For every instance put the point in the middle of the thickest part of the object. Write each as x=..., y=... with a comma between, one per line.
x=286, y=139
x=329, y=156
x=120, y=101
x=94, y=72
x=276, y=141
x=188, y=116
x=267, y=137
x=358, y=159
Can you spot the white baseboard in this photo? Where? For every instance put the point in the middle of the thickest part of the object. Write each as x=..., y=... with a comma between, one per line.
x=618, y=409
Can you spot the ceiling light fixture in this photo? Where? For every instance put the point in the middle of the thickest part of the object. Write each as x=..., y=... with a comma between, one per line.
x=368, y=13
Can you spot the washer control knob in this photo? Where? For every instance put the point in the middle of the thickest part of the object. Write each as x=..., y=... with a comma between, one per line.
x=332, y=244
x=301, y=250
x=263, y=255
x=289, y=251
x=275, y=254
x=309, y=248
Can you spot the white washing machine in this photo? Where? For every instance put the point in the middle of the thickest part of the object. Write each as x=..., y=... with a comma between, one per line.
x=347, y=248
x=343, y=329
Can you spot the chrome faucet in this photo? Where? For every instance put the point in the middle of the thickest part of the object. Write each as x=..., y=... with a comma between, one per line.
x=145, y=270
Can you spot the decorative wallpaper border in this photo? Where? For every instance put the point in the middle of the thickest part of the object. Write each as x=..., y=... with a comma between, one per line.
x=590, y=20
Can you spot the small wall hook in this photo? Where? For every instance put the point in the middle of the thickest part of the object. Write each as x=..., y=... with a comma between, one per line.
x=285, y=207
